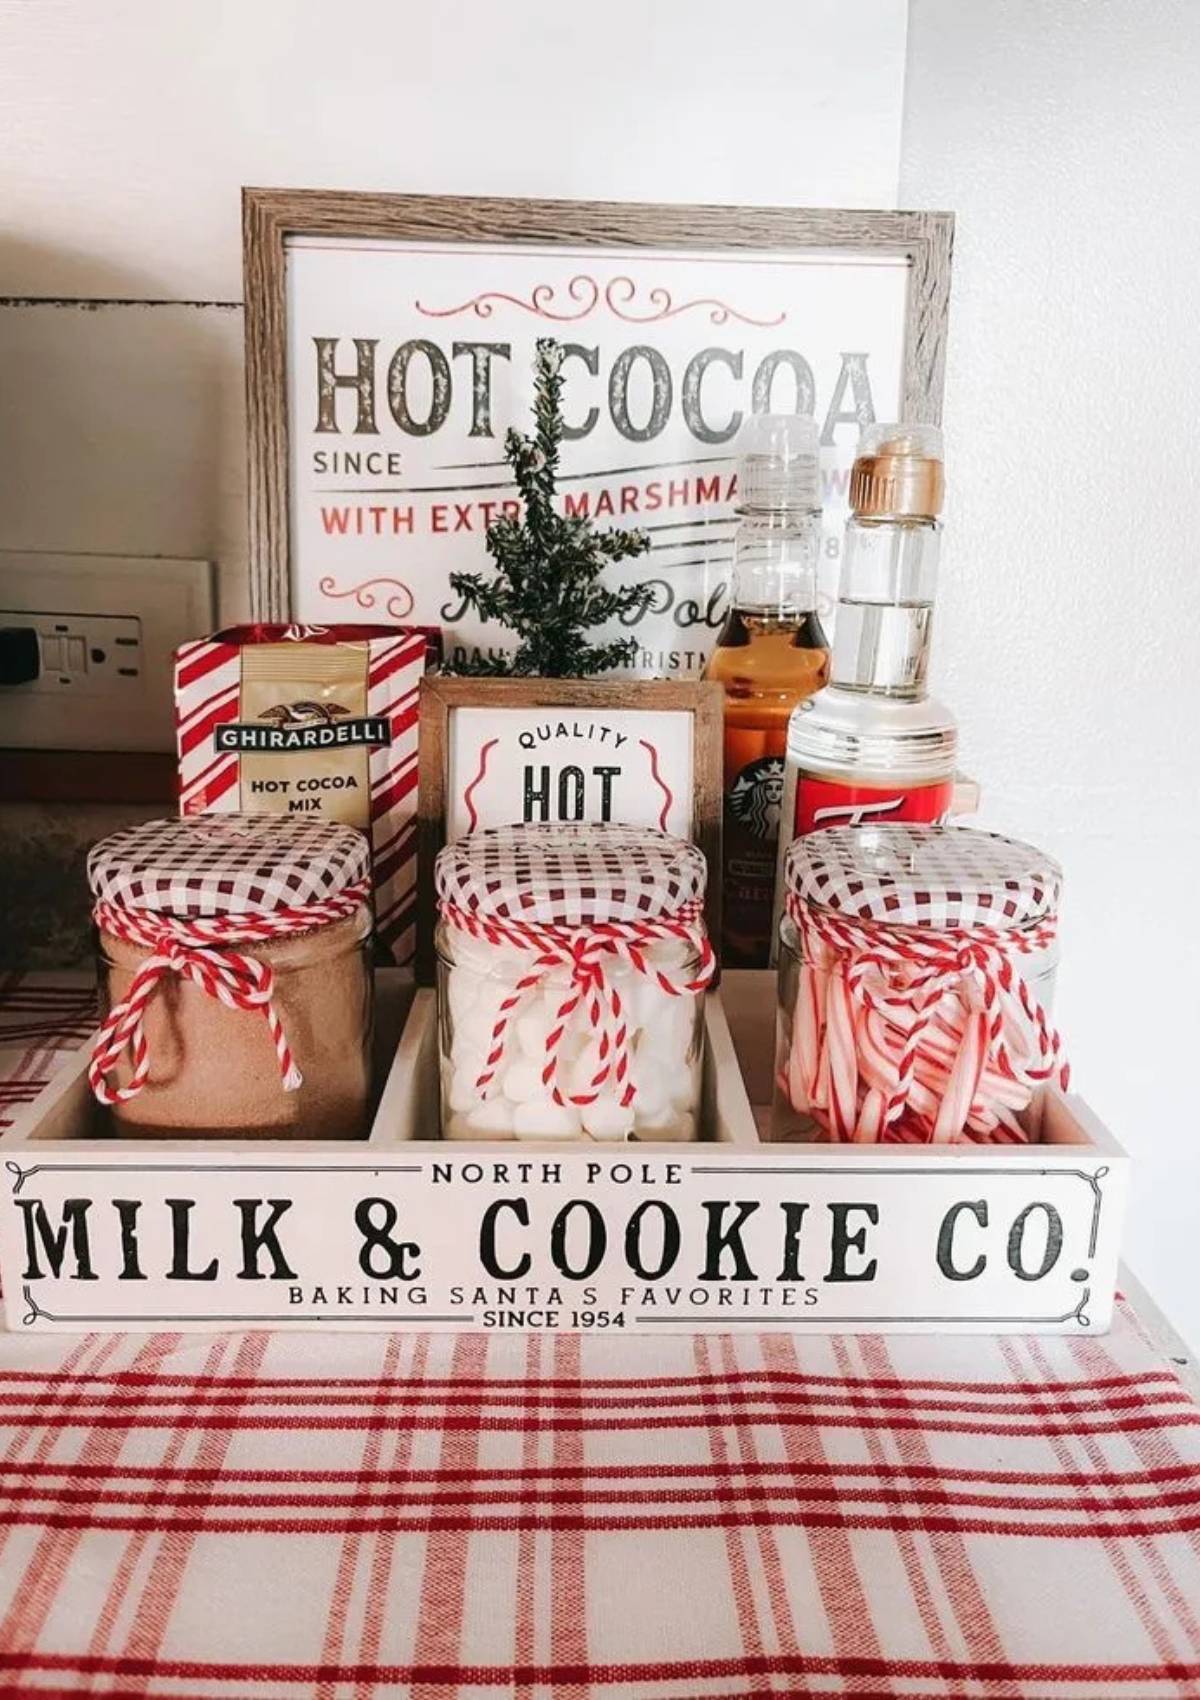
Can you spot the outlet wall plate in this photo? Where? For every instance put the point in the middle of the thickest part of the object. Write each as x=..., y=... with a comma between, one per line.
x=117, y=619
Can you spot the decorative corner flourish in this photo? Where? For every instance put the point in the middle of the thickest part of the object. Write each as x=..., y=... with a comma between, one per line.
x=1094, y=1180
x=35, y=1310
x=620, y=294
x=584, y=293
x=542, y=303
x=21, y=1175
x=400, y=600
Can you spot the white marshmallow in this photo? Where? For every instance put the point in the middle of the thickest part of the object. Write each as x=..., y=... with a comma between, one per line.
x=473, y=1031
x=545, y=1120
x=523, y=1082
x=584, y=1069
x=607, y=1119
x=474, y=959
x=652, y=1102
x=665, y=1123
x=494, y=1117
x=669, y=1025
x=532, y=1032
x=462, y=1094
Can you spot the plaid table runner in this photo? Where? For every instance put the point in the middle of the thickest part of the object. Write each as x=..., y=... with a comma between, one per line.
x=334, y=1517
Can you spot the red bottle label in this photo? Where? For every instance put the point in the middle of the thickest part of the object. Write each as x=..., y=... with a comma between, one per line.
x=827, y=802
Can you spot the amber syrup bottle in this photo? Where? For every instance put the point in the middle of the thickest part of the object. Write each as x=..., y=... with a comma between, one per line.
x=770, y=656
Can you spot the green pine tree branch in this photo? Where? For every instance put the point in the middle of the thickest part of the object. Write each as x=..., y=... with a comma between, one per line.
x=548, y=584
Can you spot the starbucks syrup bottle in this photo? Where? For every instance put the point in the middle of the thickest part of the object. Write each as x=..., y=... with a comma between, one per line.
x=771, y=654
x=872, y=746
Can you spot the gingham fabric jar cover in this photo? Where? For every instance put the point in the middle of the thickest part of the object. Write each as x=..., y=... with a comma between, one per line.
x=217, y=865
x=571, y=875
x=924, y=876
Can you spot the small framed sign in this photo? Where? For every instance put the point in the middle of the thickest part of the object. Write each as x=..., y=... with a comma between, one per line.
x=389, y=343
x=496, y=752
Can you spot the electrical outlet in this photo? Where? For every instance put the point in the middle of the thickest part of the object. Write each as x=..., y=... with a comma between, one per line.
x=106, y=628
x=94, y=655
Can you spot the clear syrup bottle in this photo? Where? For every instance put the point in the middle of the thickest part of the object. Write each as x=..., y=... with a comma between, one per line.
x=771, y=655
x=873, y=746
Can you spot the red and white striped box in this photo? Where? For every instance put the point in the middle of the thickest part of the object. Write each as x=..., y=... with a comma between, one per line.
x=227, y=742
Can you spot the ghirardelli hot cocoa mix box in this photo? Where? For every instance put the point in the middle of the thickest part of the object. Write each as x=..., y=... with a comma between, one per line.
x=318, y=721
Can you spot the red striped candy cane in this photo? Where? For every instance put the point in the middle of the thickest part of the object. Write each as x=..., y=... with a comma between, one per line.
x=925, y=1034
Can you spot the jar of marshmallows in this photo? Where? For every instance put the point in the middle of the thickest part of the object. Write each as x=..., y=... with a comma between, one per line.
x=916, y=972
x=572, y=961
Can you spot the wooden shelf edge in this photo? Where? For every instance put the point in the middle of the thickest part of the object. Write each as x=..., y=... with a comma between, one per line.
x=87, y=776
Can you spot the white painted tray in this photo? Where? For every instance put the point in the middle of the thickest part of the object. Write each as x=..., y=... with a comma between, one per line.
x=405, y=1232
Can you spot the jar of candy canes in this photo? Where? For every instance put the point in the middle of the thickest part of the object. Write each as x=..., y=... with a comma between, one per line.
x=916, y=973
x=235, y=978
x=571, y=966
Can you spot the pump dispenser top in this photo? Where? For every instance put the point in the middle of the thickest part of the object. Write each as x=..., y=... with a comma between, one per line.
x=779, y=464
x=898, y=473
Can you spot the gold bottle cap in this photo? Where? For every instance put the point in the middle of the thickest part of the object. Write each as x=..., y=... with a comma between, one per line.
x=898, y=472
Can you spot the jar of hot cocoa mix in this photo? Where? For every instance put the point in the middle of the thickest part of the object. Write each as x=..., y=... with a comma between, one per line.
x=235, y=978
x=916, y=973
x=572, y=962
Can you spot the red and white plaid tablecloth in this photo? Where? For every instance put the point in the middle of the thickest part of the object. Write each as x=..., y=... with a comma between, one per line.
x=266, y=1517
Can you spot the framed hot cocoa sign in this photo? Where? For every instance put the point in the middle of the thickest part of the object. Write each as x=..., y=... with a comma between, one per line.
x=501, y=752
x=389, y=343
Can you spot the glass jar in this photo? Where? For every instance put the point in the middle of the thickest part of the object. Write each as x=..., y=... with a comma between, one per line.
x=570, y=985
x=236, y=986
x=916, y=976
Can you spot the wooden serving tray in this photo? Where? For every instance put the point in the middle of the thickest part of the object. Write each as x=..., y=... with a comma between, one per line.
x=406, y=1232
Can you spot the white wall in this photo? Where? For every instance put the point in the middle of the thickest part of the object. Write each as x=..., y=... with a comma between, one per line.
x=1065, y=136
x=128, y=128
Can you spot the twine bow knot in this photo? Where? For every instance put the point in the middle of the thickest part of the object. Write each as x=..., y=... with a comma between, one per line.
x=588, y=952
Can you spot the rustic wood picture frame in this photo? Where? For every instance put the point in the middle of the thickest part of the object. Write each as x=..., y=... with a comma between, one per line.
x=271, y=216
x=442, y=694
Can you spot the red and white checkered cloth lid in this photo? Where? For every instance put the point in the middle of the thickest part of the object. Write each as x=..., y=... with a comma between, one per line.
x=571, y=875
x=924, y=876
x=210, y=865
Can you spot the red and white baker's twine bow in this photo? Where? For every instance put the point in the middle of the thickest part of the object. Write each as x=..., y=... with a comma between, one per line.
x=200, y=950
x=917, y=1035
x=587, y=952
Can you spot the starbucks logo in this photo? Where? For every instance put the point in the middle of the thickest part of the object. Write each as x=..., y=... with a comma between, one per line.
x=755, y=796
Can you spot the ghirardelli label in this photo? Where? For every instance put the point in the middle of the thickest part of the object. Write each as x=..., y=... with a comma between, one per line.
x=281, y=738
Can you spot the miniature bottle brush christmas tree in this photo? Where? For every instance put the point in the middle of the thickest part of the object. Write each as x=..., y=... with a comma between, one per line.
x=547, y=585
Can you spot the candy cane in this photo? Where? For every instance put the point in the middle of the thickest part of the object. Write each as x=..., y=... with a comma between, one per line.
x=910, y=1034
x=843, y=1058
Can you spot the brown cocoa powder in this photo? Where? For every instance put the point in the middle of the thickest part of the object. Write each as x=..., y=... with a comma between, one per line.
x=213, y=1070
